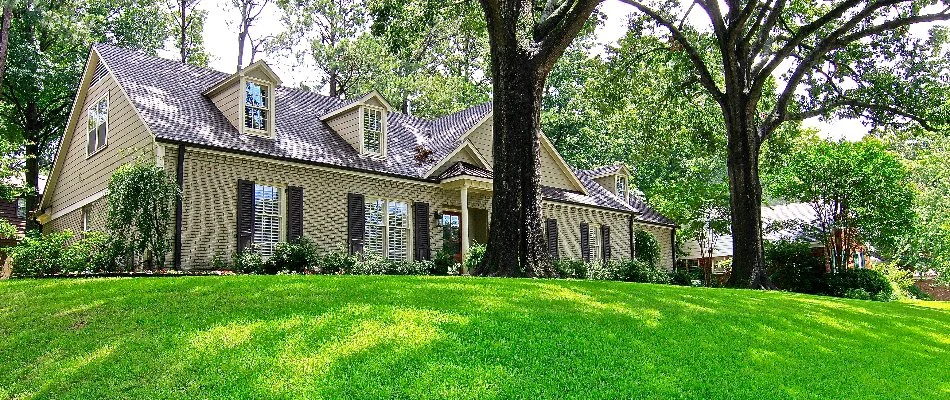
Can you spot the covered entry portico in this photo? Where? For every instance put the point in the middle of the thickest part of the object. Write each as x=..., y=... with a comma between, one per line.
x=467, y=180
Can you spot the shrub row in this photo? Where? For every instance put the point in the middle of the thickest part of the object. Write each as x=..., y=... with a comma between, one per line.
x=66, y=253
x=614, y=270
x=794, y=267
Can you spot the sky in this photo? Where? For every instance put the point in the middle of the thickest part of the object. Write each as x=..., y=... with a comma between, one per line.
x=220, y=37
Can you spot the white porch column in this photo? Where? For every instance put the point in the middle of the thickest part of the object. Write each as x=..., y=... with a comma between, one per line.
x=465, y=241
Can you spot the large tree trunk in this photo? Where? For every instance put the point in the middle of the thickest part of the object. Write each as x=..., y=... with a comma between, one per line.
x=516, y=240
x=748, y=265
x=32, y=162
x=5, y=38
x=183, y=41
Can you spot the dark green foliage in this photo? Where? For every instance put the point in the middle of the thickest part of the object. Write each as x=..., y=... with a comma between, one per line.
x=571, y=268
x=61, y=253
x=848, y=282
x=299, y=256
x=337, y=261
x=443, y=262
x=640, y=271
x=141, y=197
x=792, y=266
x=475, y=255
x=646, y=247
x=682, y=277
x=249, y=262
x=915, y=292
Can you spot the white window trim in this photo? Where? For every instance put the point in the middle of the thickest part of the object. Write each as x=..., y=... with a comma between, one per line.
x=409, y=226
x=88, y=115
x=269, y=132
x=595, y=242
x=85, y=211
x=281, y=212
x=18, y=207
x=626, y=187
x=382, y=135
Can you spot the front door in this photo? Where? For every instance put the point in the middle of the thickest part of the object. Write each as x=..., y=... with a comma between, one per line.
x=452, y=234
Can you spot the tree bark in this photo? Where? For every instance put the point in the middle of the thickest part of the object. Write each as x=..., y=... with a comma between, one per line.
x=5, y=38
x=183, y=44
x=745, y=202
x=31, y=154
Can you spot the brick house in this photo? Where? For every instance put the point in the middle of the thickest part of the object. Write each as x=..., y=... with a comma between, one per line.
x=259, y=163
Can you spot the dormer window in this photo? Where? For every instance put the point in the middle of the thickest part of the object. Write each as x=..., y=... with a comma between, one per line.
x=257, y=107
x=622, y=187
x=374, y=132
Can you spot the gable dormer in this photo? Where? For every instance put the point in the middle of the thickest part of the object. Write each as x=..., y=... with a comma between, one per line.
x=615, y=178
x=362, y=123
x=247, y=99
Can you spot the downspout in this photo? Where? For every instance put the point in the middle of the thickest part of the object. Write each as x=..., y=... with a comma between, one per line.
x=633, y=249
x=180, y=180
x=673, y=247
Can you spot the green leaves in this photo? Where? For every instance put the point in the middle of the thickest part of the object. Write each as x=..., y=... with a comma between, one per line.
x=141, y=197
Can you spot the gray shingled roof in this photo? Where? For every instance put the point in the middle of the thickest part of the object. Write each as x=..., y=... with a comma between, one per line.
x=604, y=170
x=463, y=168
x=649, y=214
x=168, y=96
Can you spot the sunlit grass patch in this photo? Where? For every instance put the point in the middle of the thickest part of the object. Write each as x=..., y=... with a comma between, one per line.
x=453, y=337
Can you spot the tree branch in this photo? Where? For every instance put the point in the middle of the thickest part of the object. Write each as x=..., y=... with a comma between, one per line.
x=705, y=77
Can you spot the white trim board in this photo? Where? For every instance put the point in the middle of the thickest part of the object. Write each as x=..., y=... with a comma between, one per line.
x=79, y=204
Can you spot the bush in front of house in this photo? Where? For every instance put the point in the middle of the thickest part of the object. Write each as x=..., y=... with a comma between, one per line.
x=476, y=253
x=851, y=282
x=792, y=266
x=443, y=262
x=63, y=253
x=571, y=268
x=299, y=256
x=640, y=271
x=646, y=248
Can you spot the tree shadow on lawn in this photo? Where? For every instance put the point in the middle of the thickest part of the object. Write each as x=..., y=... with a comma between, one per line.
x=373, y=337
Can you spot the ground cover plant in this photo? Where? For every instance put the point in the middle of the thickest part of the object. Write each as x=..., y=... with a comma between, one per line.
x=456, y=337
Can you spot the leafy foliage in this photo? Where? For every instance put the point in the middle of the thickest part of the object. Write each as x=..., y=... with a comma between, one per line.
x=476, y=253
x=61, y=253
x=794, y=267
x=141, y=197
x=857, y=282
x=860, y=193
x=646, y=247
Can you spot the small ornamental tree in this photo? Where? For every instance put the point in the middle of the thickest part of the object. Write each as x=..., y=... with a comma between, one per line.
x=860, y=192
x=646, y=248
x=141, y=196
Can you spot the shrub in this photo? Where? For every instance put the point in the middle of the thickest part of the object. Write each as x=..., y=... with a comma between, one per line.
x=681, y=277
x=646, y=247
x=141, y=195
x=640, y=271
x=792, y=266
x=300, y=255
x=917, y=293
x=443, y=262
x=476, y=254
x=873, y=282
x=570, y=268
x=901, y=280
x=604, y=271
x=249, y=262
x=337, y=261
x=856, y=293
x=39, y=255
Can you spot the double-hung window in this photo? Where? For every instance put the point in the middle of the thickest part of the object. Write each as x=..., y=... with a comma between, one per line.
x=594, y=238
x=21, y=207
x=257, y=106
x=622, y=187
x=373, y=135
x=97, y=125
x=267, y=218
x=387, y=229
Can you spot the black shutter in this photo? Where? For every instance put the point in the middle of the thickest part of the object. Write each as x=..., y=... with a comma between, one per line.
x=605, y=236
x=551, y=228
x=294, y=212
x=633, y=247
x=355, y=222
x=420, y=225
x=245, y=214
x=585, y=241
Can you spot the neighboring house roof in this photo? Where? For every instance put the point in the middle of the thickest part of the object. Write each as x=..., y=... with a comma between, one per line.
x=779, y=221
x=169, y=97
x=462, y=168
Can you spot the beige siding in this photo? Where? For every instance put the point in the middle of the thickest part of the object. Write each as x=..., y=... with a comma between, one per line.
x=551, y=173
x=609, y=182
x=481, y=138
x=373, y=101
x=569, y=219
x=259, y=74
x=98, y=215
x=347, y=125
x=228, y=102
x=80, y=177
x=210, y=189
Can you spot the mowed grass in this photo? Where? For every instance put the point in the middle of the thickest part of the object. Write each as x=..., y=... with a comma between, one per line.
x=450, y=337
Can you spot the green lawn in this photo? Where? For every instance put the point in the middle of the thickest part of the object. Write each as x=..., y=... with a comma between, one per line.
x=418, y=337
